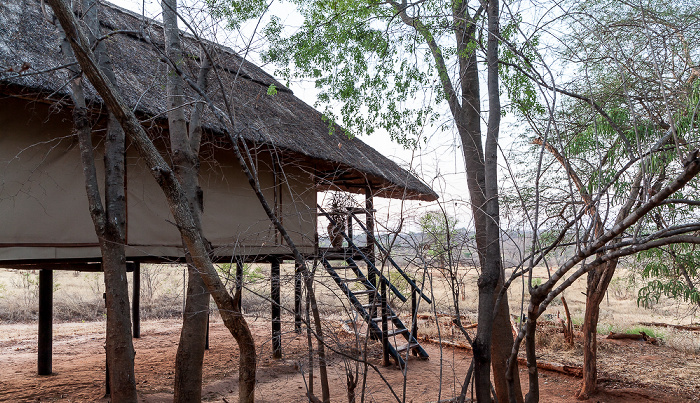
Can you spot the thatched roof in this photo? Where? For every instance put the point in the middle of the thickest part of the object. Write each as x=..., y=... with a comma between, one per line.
x=30, y=42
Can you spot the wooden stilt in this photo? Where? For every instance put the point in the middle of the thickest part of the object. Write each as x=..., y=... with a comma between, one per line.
x=297, y=296
x=369, y=223
x=206, y=341
x=276, y=311
x=136, y=301
x=108, y=390
x=414, y=316
x=45, y=322
x=385, y=324
x=239, y=278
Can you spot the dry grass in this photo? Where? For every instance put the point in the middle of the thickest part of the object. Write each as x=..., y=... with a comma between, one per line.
x=78, y=297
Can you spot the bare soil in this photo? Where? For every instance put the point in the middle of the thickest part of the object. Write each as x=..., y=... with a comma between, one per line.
x=78, y=364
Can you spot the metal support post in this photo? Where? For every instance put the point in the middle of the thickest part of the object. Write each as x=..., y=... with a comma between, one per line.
x=276, y=311
x=45, y=321
x=385, y=324
x=136, y=300
x=298, y=267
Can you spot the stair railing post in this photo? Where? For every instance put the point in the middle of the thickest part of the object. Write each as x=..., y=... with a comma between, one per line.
x=414, y=313
x=385, y=323
x=348, y=225
x=369, y=217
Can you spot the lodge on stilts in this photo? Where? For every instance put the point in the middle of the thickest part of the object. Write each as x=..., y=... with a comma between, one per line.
x=45, y=224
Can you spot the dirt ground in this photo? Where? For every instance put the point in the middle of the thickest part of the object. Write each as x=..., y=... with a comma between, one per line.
x=78, y=364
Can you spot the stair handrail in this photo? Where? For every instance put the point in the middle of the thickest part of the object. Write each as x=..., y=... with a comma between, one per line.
x=408, y=279
x=364, y=257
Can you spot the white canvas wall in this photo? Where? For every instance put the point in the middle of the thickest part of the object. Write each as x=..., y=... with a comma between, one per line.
x=43, y=207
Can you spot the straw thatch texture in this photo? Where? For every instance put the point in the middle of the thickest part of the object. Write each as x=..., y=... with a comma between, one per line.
x=29, y=44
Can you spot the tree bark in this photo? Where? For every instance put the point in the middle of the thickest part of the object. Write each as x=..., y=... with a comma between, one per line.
x=597, y=284
x=184, y=145
x=494, y=331
x=533, y=394
x=119, y=345
x=109, y=219
x=190, y=350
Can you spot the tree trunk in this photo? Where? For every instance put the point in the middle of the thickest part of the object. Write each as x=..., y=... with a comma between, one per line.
x=533, y=394
x=323, y=372
x=598, y=281
x=119, y=345
x=119, y=342
x=190, y=350
x=184, y=145
x=501, y=347
x=494, y=338
x=590, y=326
x=109, y=220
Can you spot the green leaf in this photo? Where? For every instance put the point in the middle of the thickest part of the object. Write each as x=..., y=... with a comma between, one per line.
x=272, y=90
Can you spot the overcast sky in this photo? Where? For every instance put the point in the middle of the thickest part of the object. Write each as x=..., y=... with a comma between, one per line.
x=438, y=161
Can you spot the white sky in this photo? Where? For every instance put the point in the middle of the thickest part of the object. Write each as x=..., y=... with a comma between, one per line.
x=439, y=161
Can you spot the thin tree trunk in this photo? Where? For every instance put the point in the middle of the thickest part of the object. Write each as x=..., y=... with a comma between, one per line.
x=598, y=281
x=494, y=324
x=590, y=326
x=119, y=345
x=501, y=347
x=109, y=221
x=310, y=344
x=323, y=372
x=190, y=351
x=533, y=395
x=118, y=340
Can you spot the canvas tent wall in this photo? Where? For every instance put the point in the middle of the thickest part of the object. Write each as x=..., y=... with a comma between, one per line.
x=45, y=212
x=43, y=209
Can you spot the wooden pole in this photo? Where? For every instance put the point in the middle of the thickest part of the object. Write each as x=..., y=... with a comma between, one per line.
x=414, y=316
x=239, y=275
x=276, y=311
x=348, y=226
x=369, y=223
x=385, y=324
x=414, y=313
x=108, y=390
x=206, y=340
x=45, y=322
x=297, y=296
x=136, y=300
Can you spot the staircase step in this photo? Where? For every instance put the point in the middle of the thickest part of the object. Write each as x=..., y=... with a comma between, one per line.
x=406, y=347
x=379, y=318
x=341, y=267
x=363, y=292
x=352, y=280
x=372, y=305
x=396, y=331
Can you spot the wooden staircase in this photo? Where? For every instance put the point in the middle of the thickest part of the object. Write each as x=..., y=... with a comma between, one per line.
x=384, y=324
